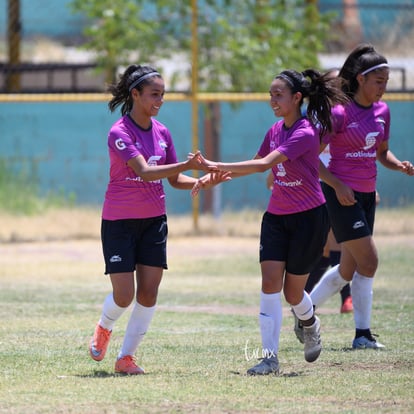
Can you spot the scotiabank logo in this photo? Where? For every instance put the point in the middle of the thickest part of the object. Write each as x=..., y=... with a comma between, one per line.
x=370, y=140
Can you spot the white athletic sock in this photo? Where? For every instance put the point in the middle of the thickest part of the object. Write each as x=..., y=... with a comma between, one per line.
x=138, y=324
x=330, y=283
x=111, y=312
x=304, y=309
x=361, y=291
x=270, y=321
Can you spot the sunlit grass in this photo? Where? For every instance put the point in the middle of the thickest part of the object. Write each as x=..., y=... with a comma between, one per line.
x=203, y=337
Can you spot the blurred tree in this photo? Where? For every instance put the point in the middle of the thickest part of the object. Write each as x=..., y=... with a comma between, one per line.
x=249, y=42
x=125, y=31
x=242, y=44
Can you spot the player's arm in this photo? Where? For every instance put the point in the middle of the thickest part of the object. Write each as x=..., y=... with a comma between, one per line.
x=241, y=168
x=157, y=172
x=390, y=161
x=344, y=193
x=182, y=181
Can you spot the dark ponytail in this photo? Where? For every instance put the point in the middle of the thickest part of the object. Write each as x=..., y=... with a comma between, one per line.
x=121, y=91
x=363, y=57
x=323, y=92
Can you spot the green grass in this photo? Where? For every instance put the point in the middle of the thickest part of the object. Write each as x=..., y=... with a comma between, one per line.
x=197, y=349
x=20, y=193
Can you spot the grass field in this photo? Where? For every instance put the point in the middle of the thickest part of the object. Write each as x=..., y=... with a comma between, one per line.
x=205, y=332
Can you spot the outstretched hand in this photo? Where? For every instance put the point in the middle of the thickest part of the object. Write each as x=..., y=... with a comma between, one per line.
x=209, y=180
x=194, y=161
x=407, y=168
x=203, y=163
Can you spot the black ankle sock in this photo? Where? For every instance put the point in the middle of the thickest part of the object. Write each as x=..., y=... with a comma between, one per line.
x=309, y=322
x=363, y=332
x=345, y=292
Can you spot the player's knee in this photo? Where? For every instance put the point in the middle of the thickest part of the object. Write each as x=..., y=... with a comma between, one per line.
x=369, y=266
x=147, y=298
x=293, y=298
x=124, y=300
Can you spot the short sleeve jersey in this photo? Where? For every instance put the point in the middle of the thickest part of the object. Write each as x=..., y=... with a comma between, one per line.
x=353, y=143
x=296, y=186
x=127, y=195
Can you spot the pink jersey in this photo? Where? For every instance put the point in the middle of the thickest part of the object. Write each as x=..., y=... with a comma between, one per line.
x=296, y=184
x=127, y=196
x=357, y=133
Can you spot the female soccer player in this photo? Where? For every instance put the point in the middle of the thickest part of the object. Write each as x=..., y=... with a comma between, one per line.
x=360, y=136
x=295, y=225
x=134, y=223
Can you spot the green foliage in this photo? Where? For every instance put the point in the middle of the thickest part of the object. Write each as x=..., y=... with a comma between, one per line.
x=242, y=45
x=19, y=191
x=257, y=40
x=122, y=32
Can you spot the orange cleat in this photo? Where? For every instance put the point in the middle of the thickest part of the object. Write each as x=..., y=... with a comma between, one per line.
x=99, y=343
x=347, y=305
x=126, y=365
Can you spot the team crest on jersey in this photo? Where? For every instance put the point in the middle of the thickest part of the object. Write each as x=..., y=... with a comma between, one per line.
x=120, y=144
x=162, y=144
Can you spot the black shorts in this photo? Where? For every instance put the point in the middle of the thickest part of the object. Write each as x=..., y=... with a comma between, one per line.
x=296, y=239
x=350, y=222
x=129, y=242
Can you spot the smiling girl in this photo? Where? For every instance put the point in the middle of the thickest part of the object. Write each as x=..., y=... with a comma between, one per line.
x=134, y=222
x=360, y=137
x=295, y=225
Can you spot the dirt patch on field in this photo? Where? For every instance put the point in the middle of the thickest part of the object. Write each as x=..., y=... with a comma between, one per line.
x=89, y=251
x=73, y=236
x=84, y=224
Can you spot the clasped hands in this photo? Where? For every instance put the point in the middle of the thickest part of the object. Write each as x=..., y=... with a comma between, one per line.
x=407, y=168
x=213, y=177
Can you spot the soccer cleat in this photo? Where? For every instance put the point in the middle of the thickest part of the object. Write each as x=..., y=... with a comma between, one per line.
x=347, y=306
x=265, y=367
x=126, y=365
x=312, y=340
x=298, y=328
x=99, y=343
x=364, y=342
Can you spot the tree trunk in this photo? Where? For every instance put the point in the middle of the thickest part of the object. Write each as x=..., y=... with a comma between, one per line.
x=351, y=24
x=212, y=119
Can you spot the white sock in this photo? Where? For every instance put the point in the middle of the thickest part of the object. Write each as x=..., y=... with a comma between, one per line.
x=304, y=309
x=361, y=291
x=138, y=324
x=111, y=312
x=270, y=321
x=330, y=283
